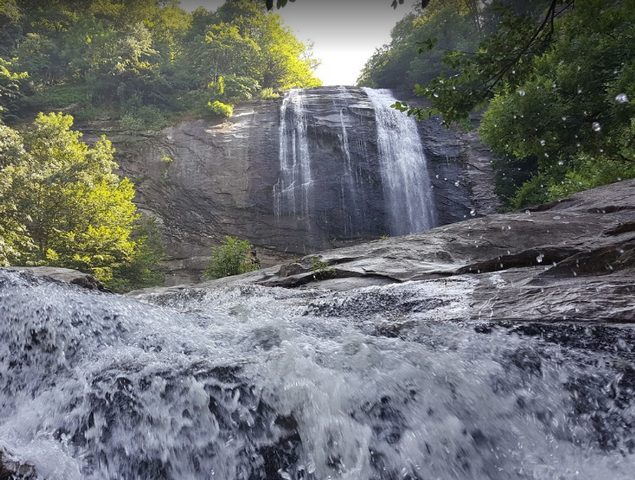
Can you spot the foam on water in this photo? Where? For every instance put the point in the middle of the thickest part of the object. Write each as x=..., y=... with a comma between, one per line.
x=253, y=383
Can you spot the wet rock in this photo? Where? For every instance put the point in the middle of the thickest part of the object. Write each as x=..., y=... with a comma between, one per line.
x=568, y=261
x=11, y=469
x=66, y=275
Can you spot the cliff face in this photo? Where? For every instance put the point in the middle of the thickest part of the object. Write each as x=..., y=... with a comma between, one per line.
x=203, y=180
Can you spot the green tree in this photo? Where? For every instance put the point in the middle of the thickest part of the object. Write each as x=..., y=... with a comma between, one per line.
x=419, y=43
x=144, y=61
x=144, y=269
x=555, y=81
x=76, y=211
x=14, y=239
x=572, y=112
x=233, y=257
x=10, y=88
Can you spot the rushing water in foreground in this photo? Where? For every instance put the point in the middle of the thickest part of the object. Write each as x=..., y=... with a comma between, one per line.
x=254, y=383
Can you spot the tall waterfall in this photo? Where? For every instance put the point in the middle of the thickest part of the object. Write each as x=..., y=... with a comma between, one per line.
x=350, y=167
x=404, y=168
x=326, y=183
x=292, y=192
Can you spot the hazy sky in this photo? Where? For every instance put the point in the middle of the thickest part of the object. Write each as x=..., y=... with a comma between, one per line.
x=345, y=33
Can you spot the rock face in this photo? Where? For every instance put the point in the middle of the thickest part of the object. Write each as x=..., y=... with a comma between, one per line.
x=204, y=180
x=570, y=260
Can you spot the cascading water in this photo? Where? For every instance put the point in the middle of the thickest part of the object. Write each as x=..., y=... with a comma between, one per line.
x=254, y=383
x=351, y=138
x=292, y=193
x=407, y=186
x=326, y=182
x=350, y=180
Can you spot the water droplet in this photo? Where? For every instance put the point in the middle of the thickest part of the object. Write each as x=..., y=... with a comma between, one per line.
x=621, y=98
x=521, y=92
x=596, y=126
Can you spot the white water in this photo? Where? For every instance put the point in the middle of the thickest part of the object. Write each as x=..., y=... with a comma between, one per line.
x=303, y=184
x=292, y=193
x=405, y=177
x=349, y=182
x=254, y=383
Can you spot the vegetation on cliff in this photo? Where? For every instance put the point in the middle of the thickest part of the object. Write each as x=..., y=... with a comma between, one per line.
x=144, y=61
x=555, y=80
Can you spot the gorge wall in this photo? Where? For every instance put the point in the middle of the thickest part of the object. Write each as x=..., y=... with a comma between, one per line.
x=317, y=169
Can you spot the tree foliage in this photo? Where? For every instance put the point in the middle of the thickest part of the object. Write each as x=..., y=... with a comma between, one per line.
x=112, y=58
x=554, y=78
x=10, y=87
x=233, y=257
x=62, y=204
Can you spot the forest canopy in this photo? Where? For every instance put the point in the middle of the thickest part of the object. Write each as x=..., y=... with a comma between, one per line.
x=144, y=61
x=553, y=79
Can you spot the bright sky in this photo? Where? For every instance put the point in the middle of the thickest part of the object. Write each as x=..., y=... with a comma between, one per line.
x=345, y=33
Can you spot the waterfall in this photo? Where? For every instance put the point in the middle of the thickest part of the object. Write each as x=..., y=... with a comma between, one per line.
x=292, y=193
x=350, y=203
x=350, y=167
x=404, y=170
x=323, y=186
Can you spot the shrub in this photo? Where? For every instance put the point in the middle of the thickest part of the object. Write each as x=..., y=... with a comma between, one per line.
x=233, y=257
x=144, y=118
x=221, y=109
x=240, y=88
x=269, y=94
